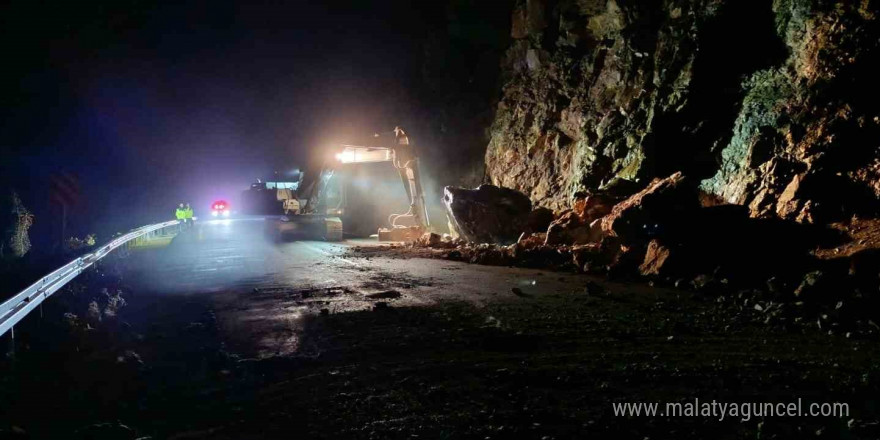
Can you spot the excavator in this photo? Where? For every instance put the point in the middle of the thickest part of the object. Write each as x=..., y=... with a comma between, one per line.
x=316, y=208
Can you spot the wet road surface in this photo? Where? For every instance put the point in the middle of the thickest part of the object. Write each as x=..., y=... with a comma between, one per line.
x=257, y=283
x=230, y=335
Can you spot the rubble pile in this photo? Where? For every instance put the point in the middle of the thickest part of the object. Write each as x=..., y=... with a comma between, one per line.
x=579, y=225
x=534, y=255
x=599, y=232
x=665, y=234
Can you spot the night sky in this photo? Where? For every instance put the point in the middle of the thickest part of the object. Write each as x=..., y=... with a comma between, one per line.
x=152, y=104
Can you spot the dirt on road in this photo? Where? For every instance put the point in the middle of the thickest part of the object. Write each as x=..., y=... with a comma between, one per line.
x=436, y=349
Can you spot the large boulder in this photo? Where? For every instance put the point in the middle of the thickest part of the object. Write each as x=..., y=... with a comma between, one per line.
x=724, y=239
x=864, y=268
x=528, y=240
x=594, y=206
x=585, y=257
x=572, y=229
x=661, y=209
x=539, y=220
x=488, y=214
x=579, y=224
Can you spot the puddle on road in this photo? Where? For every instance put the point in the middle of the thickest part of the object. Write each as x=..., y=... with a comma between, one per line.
x=275, y=315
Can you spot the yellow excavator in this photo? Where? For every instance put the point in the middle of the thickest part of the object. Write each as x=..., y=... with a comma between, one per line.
x=315, y=210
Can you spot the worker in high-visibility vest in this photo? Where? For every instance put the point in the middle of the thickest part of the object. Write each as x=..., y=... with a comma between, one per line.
x=188, y=214
x=180, y=214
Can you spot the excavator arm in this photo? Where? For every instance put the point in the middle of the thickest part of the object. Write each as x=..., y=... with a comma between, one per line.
x=312, y=187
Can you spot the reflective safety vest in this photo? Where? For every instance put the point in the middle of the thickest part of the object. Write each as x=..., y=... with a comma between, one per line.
x=180, y=213
x=188, y=213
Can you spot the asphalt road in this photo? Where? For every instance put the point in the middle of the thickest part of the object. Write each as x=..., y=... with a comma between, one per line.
x=249, y=277
x=228, y=334
x=394, y=346
x=218, y=255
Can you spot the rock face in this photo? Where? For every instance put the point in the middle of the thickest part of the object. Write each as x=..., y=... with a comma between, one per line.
x=770, y=105
x=488, y=214
x=805, y=143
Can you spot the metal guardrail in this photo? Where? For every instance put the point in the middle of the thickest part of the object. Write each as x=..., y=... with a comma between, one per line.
x=16, y=308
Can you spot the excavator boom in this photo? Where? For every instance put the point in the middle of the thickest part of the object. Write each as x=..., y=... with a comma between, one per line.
x=407, y=166
x=399, y=153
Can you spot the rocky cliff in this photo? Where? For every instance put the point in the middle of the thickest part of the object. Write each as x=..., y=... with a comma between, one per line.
x=769, y=104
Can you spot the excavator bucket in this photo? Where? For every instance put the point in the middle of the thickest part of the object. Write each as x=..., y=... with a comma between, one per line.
x=401, y=234
x=309, y=227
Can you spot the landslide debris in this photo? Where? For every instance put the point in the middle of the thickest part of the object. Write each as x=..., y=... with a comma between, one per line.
x=666, y=235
